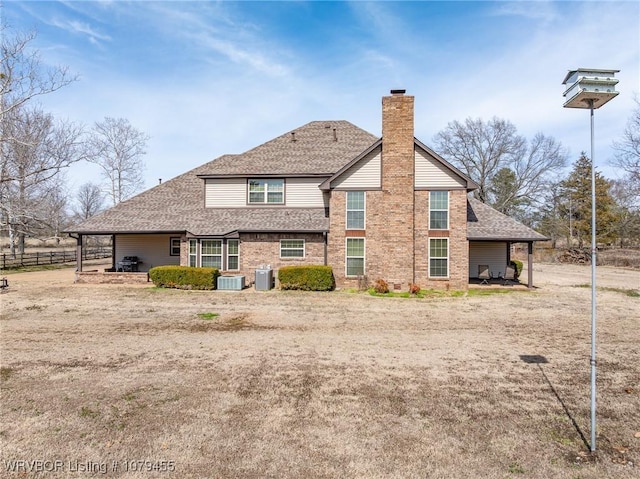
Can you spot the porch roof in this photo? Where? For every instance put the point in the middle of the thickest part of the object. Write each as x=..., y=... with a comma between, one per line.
x=486, y=224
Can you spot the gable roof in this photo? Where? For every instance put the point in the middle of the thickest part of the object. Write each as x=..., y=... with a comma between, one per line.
x=471, y=185
x=177, y=206
x=487, y=224
x=319, y=148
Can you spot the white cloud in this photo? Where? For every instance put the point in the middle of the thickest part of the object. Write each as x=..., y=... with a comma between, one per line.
x=236, y=83
x=534, y=10
x=82, y=28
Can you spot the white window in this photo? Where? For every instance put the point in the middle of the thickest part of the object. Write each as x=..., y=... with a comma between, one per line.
x=211, y=253
x=355, y=257
x=355, y=210
x=291, y=248
x=439, y=210
x=438, y=257
x=193, y=252
x=233, y=255
x=266, y=191
x=174, y=247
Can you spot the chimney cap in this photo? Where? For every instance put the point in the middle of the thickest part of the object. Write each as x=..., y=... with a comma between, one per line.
x=398, y=92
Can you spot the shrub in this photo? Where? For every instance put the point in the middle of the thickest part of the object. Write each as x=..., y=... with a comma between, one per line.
x=414, y=288
x=307, y=278
x=381, y=286
x=184, y=277
x=518, y=267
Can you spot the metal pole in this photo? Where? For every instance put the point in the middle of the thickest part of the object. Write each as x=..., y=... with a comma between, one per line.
x=593, y=288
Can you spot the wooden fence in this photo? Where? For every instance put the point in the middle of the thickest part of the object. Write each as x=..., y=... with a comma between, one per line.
x=8, y=261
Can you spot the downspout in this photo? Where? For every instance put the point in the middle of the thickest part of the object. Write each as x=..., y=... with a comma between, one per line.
x=413, y=255
x=326, y=254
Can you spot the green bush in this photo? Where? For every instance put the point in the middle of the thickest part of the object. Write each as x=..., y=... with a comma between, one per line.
x=518, y=266
x=307, y=278
x=184, y=277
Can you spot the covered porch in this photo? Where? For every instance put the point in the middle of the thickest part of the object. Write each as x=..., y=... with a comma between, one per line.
x=496, y=255
x=133, y=255
x=490, y=235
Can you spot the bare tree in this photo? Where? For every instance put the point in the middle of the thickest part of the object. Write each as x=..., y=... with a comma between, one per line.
x=117, y=148
x=628, y=151
x=627, y=205
x=480, y=149
x=37, y=151
x=89, y=201
x=54, y=208
x=23, y=77
x=483, y=151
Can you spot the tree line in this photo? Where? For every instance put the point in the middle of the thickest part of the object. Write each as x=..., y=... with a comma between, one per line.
x=526, y=179
x=523, y=178
x=36, y=149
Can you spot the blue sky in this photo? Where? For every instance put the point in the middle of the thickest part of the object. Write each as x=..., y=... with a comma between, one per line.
x=208, y=78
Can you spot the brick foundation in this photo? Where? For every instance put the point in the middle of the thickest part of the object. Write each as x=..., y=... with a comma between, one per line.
x=97, y=277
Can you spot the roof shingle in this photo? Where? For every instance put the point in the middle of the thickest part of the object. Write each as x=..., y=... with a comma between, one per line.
x=317, y=148
x=486, y=223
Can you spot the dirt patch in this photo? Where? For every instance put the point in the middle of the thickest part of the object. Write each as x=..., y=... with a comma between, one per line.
x=288, y=384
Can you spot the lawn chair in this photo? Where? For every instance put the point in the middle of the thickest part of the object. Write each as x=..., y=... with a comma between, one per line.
x=484, y=274
x=509, y=275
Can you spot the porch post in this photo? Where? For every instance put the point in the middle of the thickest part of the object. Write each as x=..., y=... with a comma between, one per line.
x=79, y=253
x=113, y=252
x=530, y=265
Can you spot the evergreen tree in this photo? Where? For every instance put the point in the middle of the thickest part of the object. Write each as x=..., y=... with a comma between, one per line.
x=578, y=192
x=503, y=192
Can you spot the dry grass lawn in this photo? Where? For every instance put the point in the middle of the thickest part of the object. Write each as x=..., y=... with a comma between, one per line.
x=136, y=382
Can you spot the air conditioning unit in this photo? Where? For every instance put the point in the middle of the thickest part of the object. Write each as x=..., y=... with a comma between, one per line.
x=230, y=283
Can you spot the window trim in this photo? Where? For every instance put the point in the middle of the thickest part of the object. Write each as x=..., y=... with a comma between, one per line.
x=347, y=210
x=231, y=255
x=432, y=209
x=303, y=249
x=447, y=258
x=265, y=193
x=172, y=246
x=363, y=257
x=193, y=255
x=208, y=255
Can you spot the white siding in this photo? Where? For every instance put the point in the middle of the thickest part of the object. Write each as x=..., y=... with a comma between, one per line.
x=152, y=250
x=303, y=192
x=430, y=173
x=226, y=193
x=493, y=254
x=232, y=193
x=366, y=173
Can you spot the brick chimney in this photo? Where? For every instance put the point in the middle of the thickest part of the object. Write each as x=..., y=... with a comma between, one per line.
x=391, y=231
x=397, y=143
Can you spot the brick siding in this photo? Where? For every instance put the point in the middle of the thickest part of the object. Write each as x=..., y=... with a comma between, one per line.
x=397, y=217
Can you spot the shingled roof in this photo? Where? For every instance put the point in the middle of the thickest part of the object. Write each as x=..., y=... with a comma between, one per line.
x=318, y=148
x=177, y=206
x=486, y=224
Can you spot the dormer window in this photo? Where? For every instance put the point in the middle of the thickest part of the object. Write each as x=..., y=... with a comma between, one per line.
x=263, y=191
